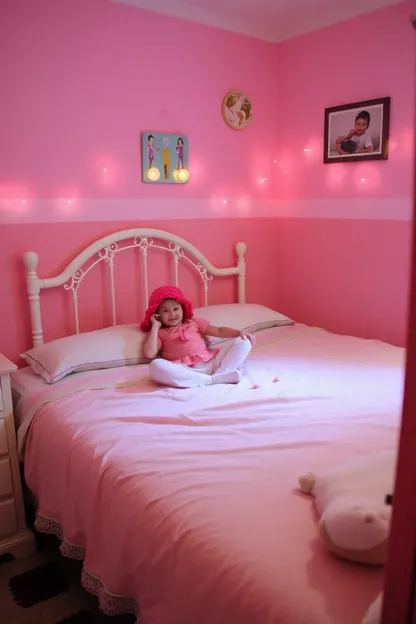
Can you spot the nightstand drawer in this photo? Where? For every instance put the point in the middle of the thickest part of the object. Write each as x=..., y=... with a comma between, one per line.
x=3, y=437
x=8, y=520
x=6, y=483
x=15, y=538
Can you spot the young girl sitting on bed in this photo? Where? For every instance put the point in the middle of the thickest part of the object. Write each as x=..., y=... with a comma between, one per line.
x=179, y=338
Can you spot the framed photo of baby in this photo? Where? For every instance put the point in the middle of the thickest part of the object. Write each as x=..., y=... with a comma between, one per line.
x=357, y=131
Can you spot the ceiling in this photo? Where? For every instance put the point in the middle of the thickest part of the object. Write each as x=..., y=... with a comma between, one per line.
x=271, y=20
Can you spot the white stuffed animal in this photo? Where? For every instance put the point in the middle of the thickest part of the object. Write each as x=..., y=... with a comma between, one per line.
x=373, y=615
x=350, y=499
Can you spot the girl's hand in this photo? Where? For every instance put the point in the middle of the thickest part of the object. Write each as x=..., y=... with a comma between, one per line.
x=245, y=336
x=155, y=322
x=351, y=133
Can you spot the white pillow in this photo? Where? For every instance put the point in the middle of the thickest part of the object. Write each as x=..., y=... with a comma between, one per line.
x=250, y=317
x=104, y=348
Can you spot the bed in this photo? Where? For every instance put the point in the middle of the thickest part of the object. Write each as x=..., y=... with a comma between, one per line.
x=184, y=504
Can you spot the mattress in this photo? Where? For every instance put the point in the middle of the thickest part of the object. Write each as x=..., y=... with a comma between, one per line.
x=184, y=504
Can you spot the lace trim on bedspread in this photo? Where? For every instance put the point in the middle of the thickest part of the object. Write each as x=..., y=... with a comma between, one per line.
x=111, y=604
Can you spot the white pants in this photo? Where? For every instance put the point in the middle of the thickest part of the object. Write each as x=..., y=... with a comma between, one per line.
x=231, y=357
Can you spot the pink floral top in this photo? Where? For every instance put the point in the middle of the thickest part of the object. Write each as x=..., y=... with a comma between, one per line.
x=185, y=344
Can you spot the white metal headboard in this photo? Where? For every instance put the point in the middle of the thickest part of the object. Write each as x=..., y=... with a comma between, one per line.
x=106, y=249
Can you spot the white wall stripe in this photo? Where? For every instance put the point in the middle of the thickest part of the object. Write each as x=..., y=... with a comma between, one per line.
x=63, y=210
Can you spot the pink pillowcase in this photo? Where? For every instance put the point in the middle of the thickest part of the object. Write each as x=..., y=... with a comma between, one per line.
x=121, y=345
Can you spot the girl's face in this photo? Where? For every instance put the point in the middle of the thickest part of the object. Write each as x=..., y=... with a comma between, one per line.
x=361, y=126
x=151, y=140
x=171, y=313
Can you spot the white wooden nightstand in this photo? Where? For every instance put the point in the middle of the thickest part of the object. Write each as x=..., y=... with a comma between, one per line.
x=15, y=537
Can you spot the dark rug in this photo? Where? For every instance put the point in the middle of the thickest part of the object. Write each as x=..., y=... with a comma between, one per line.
x=45, y=588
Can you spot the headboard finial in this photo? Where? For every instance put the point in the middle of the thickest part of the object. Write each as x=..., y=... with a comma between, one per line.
x=31, y=260
x=241, y=250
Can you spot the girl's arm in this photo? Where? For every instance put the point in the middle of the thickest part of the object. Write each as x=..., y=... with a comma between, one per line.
x=366, y=150
x=342, y=138
x=339, y=141
x=350, y=134
x=227, y=332
x=150, y=346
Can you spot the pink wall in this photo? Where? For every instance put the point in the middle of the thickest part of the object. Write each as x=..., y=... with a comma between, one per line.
x=85, y=77
x=318, y=70
x=348, y=275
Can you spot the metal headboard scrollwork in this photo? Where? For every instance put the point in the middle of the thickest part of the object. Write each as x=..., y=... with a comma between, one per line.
x=105, y=250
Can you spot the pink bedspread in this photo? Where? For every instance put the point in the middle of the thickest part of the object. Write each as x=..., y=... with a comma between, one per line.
x=185, y=502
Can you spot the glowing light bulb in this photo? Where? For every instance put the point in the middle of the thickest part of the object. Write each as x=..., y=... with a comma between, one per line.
x=153, y=174
x=23, y=201
x=263, y=180
x=69, y=201
x=105, y=169
x=224, y=201
x=183, y=175
x=306, y=149
x=275, y=162
x=363, y=179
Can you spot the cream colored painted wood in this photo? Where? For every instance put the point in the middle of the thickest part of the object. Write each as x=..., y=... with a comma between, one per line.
x=6, y=484
x=106, y=250
x=15, y=537
x=8, y=520
x=3, y=436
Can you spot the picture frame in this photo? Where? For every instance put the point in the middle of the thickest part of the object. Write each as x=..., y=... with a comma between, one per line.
x=165, y=158
x=237, y=110
x=357, y=131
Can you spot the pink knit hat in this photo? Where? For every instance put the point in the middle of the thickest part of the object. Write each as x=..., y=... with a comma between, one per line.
x=159, y=295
